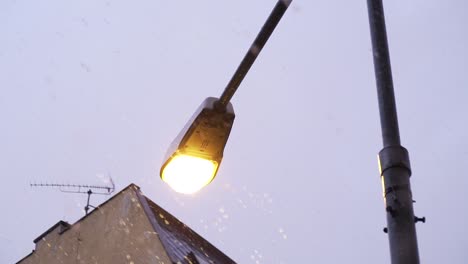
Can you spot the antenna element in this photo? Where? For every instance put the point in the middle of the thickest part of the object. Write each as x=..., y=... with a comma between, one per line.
x=81, y=188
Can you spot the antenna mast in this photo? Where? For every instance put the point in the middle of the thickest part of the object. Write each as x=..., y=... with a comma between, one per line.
x=81, y=188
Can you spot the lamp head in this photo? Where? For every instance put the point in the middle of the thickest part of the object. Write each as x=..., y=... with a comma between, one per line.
x=194, y=156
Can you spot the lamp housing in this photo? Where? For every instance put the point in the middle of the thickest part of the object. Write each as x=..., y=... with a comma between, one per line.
x=194, y=156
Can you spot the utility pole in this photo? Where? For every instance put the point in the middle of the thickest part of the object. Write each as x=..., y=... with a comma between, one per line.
x=395, y=170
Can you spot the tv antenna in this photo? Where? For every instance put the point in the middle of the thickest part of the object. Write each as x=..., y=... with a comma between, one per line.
x=81, y=188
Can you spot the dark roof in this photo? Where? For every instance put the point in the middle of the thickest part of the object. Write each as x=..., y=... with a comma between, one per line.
x=180, y=240
x=182, y=244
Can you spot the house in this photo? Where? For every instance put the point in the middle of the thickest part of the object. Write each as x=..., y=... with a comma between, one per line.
x=127, y=228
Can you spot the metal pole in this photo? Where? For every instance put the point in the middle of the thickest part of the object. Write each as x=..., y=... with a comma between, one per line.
x=394, y=162
x=87, y=203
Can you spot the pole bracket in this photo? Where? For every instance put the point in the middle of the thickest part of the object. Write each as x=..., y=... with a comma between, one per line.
x=394, y=156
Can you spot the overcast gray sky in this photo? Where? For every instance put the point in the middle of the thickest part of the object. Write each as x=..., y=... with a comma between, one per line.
x=96, y=87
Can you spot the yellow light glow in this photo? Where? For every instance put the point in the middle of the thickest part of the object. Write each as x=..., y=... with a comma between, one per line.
x=188, y=174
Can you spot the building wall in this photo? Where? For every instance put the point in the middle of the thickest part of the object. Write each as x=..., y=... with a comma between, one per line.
x=117, y=232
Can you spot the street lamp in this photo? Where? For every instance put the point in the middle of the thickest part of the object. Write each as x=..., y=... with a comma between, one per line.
x=195, y=155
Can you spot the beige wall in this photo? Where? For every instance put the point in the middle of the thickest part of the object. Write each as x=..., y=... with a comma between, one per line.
x=118, y=232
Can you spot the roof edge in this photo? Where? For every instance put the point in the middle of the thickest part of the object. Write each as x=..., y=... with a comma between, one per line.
x=131, y=185
x=27, y=256
x=151, y=218
x=60, y=223
x=66, y=225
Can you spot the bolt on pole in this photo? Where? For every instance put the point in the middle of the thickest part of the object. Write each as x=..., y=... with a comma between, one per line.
x=394, y=162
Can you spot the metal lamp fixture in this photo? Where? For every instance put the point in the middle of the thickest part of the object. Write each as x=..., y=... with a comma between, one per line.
x=195, y=155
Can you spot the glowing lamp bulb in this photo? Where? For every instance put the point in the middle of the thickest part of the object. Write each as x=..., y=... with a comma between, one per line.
x=193, y=158
x=188, y=174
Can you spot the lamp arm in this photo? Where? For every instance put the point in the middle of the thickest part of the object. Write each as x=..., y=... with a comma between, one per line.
x=249, y=58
